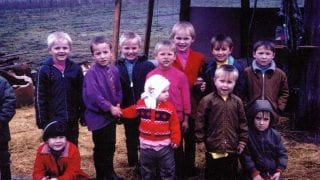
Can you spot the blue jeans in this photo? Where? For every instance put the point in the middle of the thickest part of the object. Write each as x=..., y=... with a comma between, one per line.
x=152, y=160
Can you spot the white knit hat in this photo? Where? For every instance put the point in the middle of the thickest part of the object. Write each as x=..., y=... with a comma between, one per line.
x=153, y=88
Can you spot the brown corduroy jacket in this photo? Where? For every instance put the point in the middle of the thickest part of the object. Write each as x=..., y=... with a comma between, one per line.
x=222, y=125
x=275, y=85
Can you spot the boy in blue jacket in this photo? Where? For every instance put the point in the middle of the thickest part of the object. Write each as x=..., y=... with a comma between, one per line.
x=133, y=70
x=59, y=86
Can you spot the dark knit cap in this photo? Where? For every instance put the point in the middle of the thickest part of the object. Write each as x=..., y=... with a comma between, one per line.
x=261, y=105
x=54, y=129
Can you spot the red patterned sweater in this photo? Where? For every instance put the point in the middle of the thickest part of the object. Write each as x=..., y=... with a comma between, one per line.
x=156, y=124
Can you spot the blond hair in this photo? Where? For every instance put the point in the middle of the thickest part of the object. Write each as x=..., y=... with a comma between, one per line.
x=226, y=69
x=164, y=44
x=129, y=35
x=58, y=36
x=183, y=25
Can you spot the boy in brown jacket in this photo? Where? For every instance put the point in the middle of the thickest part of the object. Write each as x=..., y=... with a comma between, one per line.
x=221, y=126
x=263, y=80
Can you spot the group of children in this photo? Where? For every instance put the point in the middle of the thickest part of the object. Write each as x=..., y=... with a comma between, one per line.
x=166, y=109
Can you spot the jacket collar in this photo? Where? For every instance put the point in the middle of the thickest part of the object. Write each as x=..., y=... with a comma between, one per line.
x=257, y=69
x=213, y=64
x=139, y=59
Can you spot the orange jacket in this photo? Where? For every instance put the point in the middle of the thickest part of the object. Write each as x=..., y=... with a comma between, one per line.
x=67, y=168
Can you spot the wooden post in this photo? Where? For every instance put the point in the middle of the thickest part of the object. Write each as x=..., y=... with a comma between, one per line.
x=245, y=39
x=185, y=10
x=312, y=21
x=148, y=27
x=116, y=28
x=309, y=96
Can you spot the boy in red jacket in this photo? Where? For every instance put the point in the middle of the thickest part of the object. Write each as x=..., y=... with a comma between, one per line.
x=159, y=129
x=57, y=158
x=189, y=62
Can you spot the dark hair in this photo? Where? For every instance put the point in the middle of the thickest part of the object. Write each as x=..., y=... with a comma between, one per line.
x=99, y=40
x=267, y=43
x=220, y=39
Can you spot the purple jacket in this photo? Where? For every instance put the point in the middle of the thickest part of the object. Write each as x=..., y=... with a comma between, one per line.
x=101, y=89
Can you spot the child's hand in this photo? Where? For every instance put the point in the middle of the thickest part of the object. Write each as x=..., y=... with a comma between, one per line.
x=240, y=148
x=45, y=178
x=202, y=147
x=185, y=125
x=276, y=176
x=116, y=111
x=258, y=177
x=174, y=146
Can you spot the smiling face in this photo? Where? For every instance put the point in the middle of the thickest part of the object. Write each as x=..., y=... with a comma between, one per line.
x=262, y=120
x=165, y=56
x=263, y=56
x=57, y=143
x=225, y=83
x=60, y=50
x=182, y=39
x=102, y=53
x=130, y=49
x=221, y=51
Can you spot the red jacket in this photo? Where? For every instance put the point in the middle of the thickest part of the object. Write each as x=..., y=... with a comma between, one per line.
x=192, y=71
x=193, y=66
x=68, y=164
x=156, y=124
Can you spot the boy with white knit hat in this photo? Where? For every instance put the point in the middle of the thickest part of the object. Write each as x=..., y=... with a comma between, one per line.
x=159, y=129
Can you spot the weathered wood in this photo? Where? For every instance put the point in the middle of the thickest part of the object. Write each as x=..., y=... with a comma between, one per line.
x=312, y=21
x=148, y=27
x=13, y=54
x=244, y=31
x=116, y=28
x=309, y=95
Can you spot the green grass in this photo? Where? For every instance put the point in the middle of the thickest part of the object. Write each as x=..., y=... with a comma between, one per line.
x=27, y=30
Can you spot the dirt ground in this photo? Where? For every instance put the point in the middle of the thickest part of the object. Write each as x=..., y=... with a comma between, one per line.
x=304, y=158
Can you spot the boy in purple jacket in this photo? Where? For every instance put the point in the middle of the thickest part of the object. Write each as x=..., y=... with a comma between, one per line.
x=102, y=96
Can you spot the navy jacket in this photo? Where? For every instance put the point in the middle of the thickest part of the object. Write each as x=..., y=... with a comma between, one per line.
x=140, y=70
x=7, y=109
x=209, y=68
x=265, y=152
x=59, y=94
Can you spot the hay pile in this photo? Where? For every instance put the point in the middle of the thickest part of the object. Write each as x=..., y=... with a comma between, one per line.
x=303, y=149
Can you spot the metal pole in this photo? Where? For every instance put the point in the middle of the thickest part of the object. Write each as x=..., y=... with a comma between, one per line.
x=185, y=10
x=116, y=28
x=148, y=27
